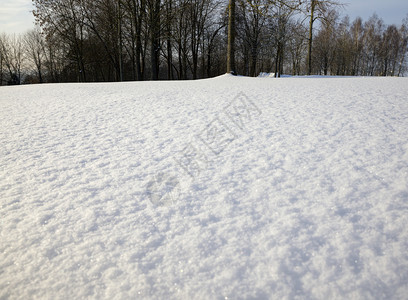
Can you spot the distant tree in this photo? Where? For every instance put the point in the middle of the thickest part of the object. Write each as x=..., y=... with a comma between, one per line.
x=357, y=35
x=390, y=48
x=3, y=55
x=154, y=10
x=374, y=29
x=343, y=57
x=134, y=19
x=114, y=40
x=404, y=47
x=325, y=44
x=12, y=58
x=281, y=17
x=252, y=15
x=297, y=45
x=64, y=20
x=213, y=43
x=316, y=9
x=35, y=48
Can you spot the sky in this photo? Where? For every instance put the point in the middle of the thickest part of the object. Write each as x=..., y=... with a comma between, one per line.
x=391, y=11
x=15, y=15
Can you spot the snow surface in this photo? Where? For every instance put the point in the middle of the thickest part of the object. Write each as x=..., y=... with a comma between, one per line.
x=232, y=187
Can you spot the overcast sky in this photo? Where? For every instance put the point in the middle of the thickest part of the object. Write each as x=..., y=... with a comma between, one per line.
x=15, y=15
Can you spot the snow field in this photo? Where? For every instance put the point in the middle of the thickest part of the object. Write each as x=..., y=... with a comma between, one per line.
x=296, y=188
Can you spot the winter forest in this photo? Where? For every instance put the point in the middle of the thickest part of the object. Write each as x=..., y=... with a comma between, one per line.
x=118, y=40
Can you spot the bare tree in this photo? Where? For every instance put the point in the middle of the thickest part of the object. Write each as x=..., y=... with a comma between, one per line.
x=316, y=9
x=12, y=56
x=297, y=44
x=154, y=22
x=253, y=15
x=113, y=40
x=404, y=47
x=325, y=44
x=35, y=48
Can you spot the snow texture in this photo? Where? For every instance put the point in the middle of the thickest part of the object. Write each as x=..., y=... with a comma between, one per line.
x=226, y=188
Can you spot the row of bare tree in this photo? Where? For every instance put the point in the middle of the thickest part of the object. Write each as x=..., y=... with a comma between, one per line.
x=361, y=48
x=115, y=40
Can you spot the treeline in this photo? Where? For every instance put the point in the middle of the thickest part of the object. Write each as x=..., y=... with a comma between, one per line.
x=115, y=40
x=360, y=48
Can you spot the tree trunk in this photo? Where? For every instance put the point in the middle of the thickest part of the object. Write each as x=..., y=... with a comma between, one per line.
x=281, y=60
x=325, y=65
x=276, y=70
x=1, y=68
x=154, y=59
x=154, y=38
x=231, y=39
x=309, y=54
x=40, y=78
x=254, y=58
x=400, y=65
x=170, y=75
x=120, y=42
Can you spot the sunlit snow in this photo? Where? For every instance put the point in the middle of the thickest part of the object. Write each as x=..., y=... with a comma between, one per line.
x=232, y=187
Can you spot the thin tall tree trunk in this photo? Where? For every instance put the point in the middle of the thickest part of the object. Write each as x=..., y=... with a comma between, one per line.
x=309, y=54
x=231, y=38
x=254, y=58
x=170, y=75
x=1, y=69
x=154, y=38
x=276, y=70
x=400, y=65
x=120, y=42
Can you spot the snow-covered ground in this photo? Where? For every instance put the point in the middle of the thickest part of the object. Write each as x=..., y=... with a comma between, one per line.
x=232, y=187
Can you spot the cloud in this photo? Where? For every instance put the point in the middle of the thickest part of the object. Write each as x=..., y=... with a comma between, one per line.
x=16, y=16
